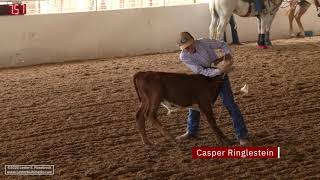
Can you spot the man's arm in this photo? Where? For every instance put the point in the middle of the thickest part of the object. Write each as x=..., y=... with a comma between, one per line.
x=197, y=69
x=209, y=72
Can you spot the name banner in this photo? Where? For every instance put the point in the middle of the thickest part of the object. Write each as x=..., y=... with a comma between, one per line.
x=235, y=152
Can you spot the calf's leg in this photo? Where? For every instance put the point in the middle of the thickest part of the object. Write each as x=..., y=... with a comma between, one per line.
x=207, y=111
x=140, y=118
x=152, y=115
x=163, y=131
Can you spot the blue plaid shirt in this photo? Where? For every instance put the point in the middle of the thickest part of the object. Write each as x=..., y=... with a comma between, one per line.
x=200, y=61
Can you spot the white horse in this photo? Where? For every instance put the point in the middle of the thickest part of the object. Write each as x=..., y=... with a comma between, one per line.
x=221, y=11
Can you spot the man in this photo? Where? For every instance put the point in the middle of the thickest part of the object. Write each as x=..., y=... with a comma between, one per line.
x=234, y=32
x=260, y=8
x=198, y=55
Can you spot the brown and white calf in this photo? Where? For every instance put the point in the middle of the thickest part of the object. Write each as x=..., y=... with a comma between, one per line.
x=183, y=90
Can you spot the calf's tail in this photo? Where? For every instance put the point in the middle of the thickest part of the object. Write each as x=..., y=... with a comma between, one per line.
x=135, y=81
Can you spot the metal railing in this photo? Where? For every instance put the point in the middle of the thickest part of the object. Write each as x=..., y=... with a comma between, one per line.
x=66, y=6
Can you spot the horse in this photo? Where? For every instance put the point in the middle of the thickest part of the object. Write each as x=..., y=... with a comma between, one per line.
x=317, y=4
x=303, y=7
x=221, y=11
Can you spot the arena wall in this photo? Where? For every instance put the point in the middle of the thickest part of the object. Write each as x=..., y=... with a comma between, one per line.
x=37, y=39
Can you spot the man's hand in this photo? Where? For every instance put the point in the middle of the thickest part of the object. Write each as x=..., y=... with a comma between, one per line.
x=229, y=69
x=226, y=57
x=225, y=66
x=224, y=63
x=229, y=60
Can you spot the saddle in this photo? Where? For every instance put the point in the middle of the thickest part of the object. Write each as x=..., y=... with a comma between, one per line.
x=252, y=1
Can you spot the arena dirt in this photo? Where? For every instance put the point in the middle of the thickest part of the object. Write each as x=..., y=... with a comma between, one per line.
x=80, y=117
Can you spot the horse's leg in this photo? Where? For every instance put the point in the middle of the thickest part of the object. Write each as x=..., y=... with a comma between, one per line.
x=302, y=9
x=291, y=17
x=268, y=29
x=317, y=3
x=214, y=24
x=261, y=30
x=223, y=22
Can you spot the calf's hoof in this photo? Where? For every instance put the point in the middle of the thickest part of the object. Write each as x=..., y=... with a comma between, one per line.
x=147, y=142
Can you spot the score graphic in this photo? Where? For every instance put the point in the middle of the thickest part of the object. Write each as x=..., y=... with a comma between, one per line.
x=13, y=9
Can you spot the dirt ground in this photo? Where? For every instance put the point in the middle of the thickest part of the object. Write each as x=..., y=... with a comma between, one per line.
x=80, y=117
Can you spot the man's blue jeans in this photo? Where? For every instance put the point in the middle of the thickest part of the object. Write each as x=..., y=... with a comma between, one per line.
x=259, y=5
x=226, y=95
x=234, y=32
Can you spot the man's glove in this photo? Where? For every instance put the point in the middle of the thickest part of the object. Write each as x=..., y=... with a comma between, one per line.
x=225, y=57
x=227, y=70
x=224, y=64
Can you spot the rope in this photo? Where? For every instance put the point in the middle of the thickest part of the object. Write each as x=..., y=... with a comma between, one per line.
x=287, y=5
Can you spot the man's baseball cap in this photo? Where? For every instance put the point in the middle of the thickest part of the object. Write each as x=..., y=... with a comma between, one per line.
x=185, y=40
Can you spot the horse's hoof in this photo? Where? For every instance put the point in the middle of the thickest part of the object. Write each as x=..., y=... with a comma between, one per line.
x=292, y=35
x=263, y=47
x=268, y=43
x=300, y=35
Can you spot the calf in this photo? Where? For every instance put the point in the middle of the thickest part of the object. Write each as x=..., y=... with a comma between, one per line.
x=180, y=89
